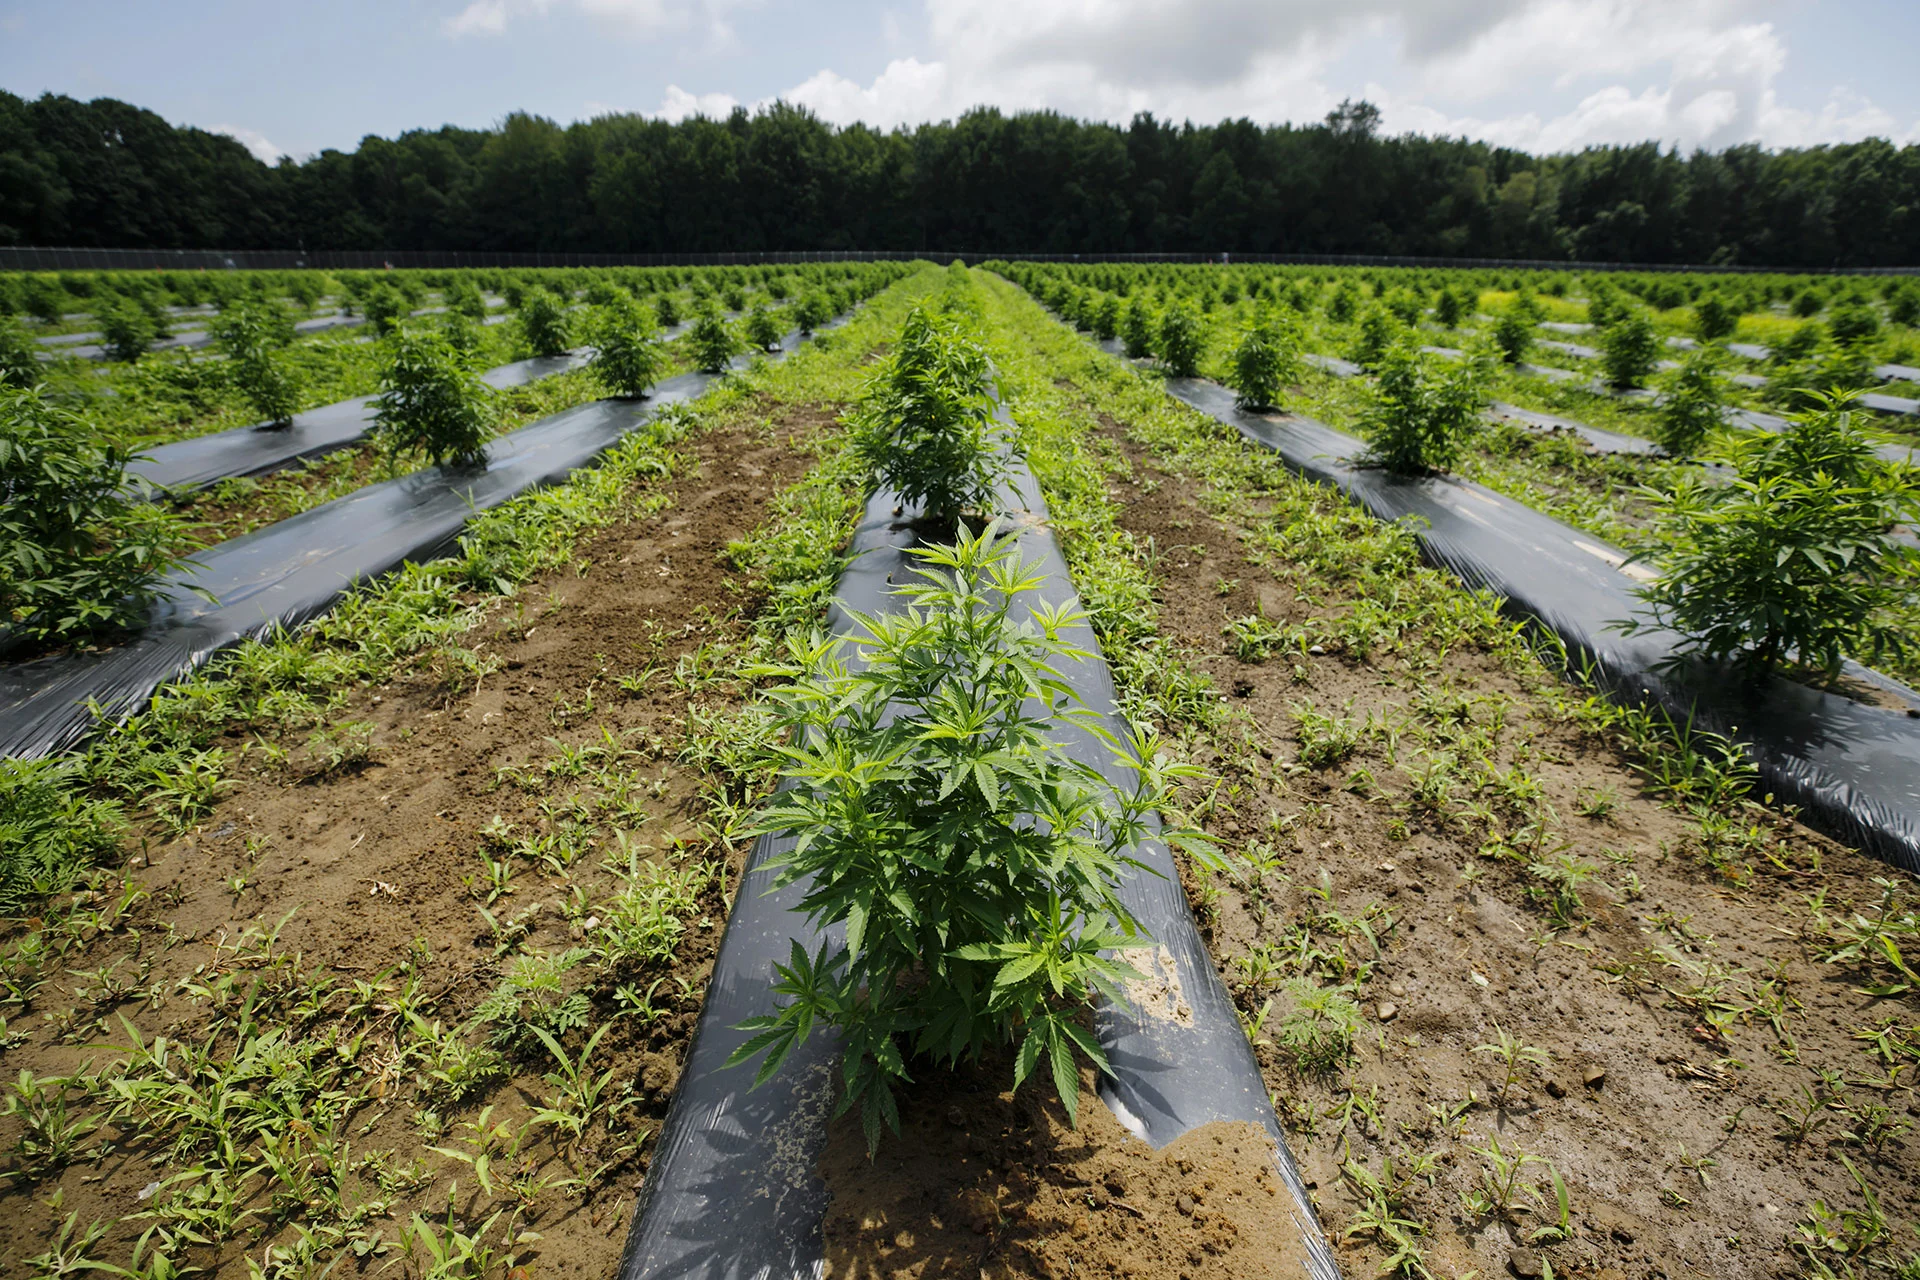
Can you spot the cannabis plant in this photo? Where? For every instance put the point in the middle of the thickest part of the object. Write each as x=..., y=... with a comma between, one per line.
x=627, y=356
x=1137, y=328
x=19, y=355
x=463, y=298
x=1421, y=410
x=666, y=310
x=1713, y=319
x=1106, y=317
x=972, y=861
x=79, y=555
x=126, y=330
x=1449, y=308
x=1693, y=404
x=546, y=323
x=1796, y=560
x=1629, y=349
x=384, y=308
x=254, y=338
x=761, y=330
x=1513, y=334
x=925, y=427
x=1180, y=340
x=809, y=312
x=1379, y=331
x=712, y=342
x=431, y=400
x=1267, y=360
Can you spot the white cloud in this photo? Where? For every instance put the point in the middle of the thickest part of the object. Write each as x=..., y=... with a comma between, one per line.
x=679, y=104
x=631, y=17
x=253, y=140
x=1686, y=72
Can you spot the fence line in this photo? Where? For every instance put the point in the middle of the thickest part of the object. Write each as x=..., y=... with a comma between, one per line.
x=23, y=258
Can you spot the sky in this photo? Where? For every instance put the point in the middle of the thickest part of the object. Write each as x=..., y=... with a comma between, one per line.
x=1542, y=75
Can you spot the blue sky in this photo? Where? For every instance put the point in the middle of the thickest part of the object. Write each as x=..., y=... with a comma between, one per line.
x=1540, y=74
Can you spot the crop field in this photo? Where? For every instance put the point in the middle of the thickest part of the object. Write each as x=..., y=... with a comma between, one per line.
x=890, y=770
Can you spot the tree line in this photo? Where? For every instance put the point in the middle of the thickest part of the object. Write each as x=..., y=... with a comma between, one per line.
x=105, y=174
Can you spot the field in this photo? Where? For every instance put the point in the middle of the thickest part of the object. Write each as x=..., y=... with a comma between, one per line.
x=381, y=941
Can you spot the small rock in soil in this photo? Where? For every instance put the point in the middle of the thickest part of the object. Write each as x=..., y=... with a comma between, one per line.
x=1184, y=1203
x=1593, y=1077
x=1388, y=1011
x=1525, y=1263
x=1557, y=1089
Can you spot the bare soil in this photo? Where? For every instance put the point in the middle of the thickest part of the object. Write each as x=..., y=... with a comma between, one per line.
x=985, y=1182
x=1663, y=1126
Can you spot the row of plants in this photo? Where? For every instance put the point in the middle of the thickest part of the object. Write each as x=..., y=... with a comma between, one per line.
x=89, y=550
x=49, y=297
x=503, y=1079
x=1798, y=562
x=1377, y=732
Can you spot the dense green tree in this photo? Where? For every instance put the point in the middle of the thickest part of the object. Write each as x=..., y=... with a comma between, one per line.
x=104, y=173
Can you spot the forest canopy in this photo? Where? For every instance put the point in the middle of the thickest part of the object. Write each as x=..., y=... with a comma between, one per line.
x=105, y=174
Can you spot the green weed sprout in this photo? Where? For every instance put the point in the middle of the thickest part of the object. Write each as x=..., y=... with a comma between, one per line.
x=1795, y=559
x=1180, y=341
x=1266, y=361
x=431, y=401
x=254, y=338
x=916, y=777
x=79, y=555
x=545, y=321
x=1421, y=410
x=1629, y=348
x=925, y=427
x=627, y=357
x=1694, y=403
x=712, y=342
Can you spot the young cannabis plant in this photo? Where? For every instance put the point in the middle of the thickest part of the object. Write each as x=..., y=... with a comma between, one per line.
x=1137, y=328
x=1694, y=404
x=1266, y=361
x=972, y=861
x=78, y=554
x=1379, y=333
x=1420, y=411
x=627, y=357
x=1180, y=340
x=810, y=312
x=1513, y=331
x=1795, y=559
x=544, y=319
x=19, y=355
x=254, y=339
x=1629, y=349
x=712, y=342
x=925, y=426
x=761, y=329
x=430, y=400
x=127, y=331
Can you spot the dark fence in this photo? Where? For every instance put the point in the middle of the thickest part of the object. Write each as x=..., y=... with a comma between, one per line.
x=16, y=258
